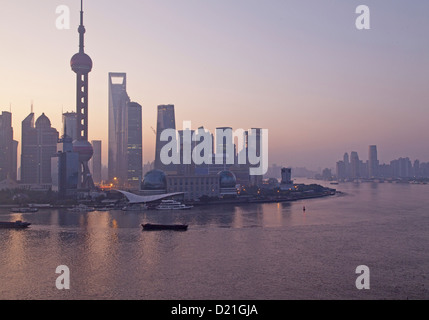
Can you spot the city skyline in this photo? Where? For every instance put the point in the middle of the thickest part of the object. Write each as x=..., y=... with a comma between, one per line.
x=256, y=68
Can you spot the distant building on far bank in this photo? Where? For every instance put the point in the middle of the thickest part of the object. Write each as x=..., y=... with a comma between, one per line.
x=286, y=182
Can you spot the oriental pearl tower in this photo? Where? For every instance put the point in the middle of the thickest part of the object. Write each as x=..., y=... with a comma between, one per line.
x=81, y=64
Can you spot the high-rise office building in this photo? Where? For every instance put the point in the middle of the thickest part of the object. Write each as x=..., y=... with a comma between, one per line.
x=354, y=165
x=28, y=150
x=255, y=134
x=7, y=148
x=340, y=170
x=401, y=168
x=15, y=160
x=81, y=64
x=70, y=125
x=95, y=163
x=65, y=168
x=187, y=164
x=225, y=147
x=373, y=162
x=286, y=176
x=165, y=120
x=134, y=145
x=347, y=170
x=118, y=127
x=39, y=144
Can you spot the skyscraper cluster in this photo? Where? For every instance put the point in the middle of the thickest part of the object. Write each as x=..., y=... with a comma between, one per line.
x=352, y=168
x=216, y=177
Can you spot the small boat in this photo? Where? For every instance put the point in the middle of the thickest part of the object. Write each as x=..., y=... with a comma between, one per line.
x=172, y=205
x=16, y=225
x=177, y=227
x=24, y=210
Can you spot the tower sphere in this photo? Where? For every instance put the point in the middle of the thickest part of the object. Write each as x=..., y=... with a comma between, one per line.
x=81, y=63
x=84, y=149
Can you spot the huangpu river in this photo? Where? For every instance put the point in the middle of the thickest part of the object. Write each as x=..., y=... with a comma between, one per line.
x=254, y=251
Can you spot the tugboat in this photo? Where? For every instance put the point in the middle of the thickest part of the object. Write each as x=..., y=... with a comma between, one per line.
x=176, y=227
x=15, y=225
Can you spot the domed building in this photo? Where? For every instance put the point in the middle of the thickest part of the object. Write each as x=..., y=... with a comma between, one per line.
x=227, y=179
x=38, y=145
x=227, y=183
x=43, y=122
x=154, y=182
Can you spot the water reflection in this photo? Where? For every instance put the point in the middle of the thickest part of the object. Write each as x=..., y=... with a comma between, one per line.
x=272, y=250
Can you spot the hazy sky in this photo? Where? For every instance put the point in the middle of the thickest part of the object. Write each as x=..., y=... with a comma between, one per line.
x=300, y=69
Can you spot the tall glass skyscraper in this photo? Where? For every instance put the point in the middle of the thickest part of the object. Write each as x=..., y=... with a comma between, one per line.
x=118, y=127
x=7, y=149
x=372, y=162
x=354, y=165
x=134, y=145
x=166, y=120
x=125, y=153
x=70, y=125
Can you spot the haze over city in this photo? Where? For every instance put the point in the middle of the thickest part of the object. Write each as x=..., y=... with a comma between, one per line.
x=300, y=69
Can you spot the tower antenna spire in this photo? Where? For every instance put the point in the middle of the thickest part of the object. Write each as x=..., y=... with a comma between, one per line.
x=81, y=12
x=81, y=29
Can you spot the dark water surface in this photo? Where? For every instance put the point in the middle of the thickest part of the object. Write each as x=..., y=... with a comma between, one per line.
x=258, y=251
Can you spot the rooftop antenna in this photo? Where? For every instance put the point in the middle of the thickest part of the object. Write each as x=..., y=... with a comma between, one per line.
x=31, y=106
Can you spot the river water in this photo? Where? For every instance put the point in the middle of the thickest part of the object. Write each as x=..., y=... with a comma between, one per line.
x=255, y=251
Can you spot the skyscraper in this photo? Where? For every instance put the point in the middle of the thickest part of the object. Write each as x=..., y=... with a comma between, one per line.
x=81, y=64
x=166, y=120
x=7, y=148
x=372, y=162
x=225, y=148
x=354, y=165
x=340, y=170
x=186, y=166
x=134, y=145
x=118, y=127
x=70, y=125
x=39, y=144
x=28, y=150
x=65, y=167
x=255, y=133
x=347, y=170
x=95, y=163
